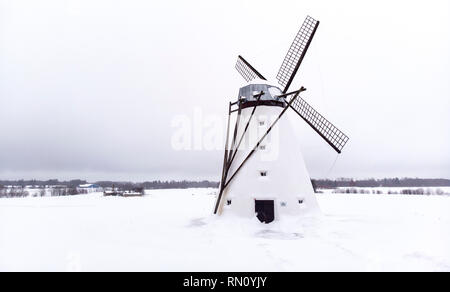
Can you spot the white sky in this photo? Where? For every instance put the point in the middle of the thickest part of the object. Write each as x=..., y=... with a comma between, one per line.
x=88, y=89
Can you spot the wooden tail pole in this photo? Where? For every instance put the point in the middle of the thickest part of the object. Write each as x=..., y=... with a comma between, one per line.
x=225, y=161
x=236, y=128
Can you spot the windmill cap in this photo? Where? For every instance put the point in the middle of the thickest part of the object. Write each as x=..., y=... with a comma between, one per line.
x=250, y=93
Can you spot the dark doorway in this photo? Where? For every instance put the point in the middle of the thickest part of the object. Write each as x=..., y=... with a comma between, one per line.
x=264, y=210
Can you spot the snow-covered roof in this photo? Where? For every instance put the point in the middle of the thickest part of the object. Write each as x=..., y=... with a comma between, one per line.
x=251, y=91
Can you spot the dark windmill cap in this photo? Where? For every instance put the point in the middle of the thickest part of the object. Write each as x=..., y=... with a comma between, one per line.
x=260, y=94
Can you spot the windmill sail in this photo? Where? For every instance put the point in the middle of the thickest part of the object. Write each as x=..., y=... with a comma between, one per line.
x=296, y=53
x=332, y=135
x=246, y=70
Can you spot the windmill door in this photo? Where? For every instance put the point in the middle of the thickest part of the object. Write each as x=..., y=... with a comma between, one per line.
x=264, y=210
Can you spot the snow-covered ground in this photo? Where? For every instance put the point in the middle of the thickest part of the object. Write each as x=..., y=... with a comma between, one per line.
x=173, y=230
x=390, y=190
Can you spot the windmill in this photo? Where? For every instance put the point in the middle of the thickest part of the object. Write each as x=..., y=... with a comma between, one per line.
x=269, y=188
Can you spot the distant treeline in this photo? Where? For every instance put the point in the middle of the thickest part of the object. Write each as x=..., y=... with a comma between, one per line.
x=50, y=182
x=386, y=182
x=158, y=184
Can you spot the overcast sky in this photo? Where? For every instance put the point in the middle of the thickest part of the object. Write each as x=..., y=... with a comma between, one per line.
x=89, y=89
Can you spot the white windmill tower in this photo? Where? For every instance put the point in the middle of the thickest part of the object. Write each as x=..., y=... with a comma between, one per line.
x=254, y=182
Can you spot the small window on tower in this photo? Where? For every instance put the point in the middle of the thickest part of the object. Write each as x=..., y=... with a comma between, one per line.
x=228, y=202
x=300, y=201
x=263, y=173
x=262, y=147
x=283, y=204
x=261, y=123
